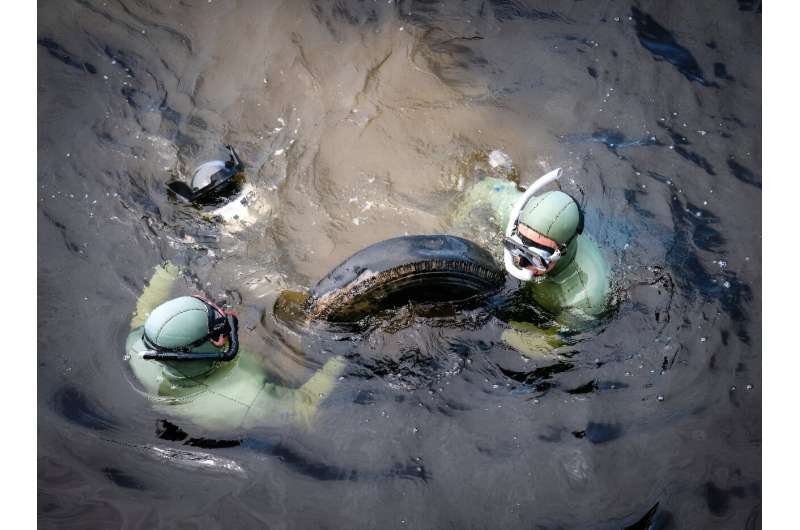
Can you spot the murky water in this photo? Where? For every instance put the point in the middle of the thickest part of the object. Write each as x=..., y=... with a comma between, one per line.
x=363, y=120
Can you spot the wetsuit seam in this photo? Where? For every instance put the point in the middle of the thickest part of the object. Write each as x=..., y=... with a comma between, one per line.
x=255, y=398
x=585, y=287
x=556, y=218
x=170, y=319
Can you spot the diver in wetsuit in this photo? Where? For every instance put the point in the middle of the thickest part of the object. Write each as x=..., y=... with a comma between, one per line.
x=185, y=354
x=545, y=247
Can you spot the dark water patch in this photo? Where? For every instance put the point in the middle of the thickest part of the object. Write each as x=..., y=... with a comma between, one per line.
x=585, y=41
x=176, y=35
x=718, y=500
x=734, y=120
x=538, y=377
x=364, y=397
x=71, y=245
x=632, y=197
x=131, y=95
x=304, y=464
x=341, y=12
x=296, y=459
x=679, y=141
x=595, y=386
x=122, y=479
x=721, y=71
x=659, y=41
x=592, y=71
x=696, y=159
x=698, y=223
x=658, y=177
x=552, y=434
x=333, y=15
x=121, y=60
x=750, y=5
x=586, y=388
x=212, y=443
x=198, y=123
x=505, y=10
x=70, y=403
x=733, y=294
x=168, y=113
x=646, y=521
x=67, y=512
x=743, y=174
x=115, y=21
x=451, y=405
x=611, y=138
x=166, y=430
x=704, y=236
x=411, y=366
x=753, y=518
x=599, y=433
x=58, y=51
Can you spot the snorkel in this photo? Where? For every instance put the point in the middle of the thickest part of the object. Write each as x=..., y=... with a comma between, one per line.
x=522, y=274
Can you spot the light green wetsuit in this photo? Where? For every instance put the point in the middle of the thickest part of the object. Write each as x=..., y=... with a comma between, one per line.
x=575, y=292
x=220, y=395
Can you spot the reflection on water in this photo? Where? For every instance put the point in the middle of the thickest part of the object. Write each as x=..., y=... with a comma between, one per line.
x=360, y=121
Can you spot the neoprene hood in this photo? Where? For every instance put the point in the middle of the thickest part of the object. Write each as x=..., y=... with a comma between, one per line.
x=555, y=215
x=178, y=323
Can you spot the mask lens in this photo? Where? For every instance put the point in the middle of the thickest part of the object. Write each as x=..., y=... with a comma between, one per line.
x=528, y=255
x=538, y=255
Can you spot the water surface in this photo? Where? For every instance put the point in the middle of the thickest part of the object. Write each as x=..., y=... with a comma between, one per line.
x=364, y=120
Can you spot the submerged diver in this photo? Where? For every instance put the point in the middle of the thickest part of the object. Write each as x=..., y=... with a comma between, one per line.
x=213, y=182
x=544, y=246
x=185, y=354
x=219, y=190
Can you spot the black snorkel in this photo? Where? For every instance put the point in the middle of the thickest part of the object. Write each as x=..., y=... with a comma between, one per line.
x=220, y=325
x=220, y=184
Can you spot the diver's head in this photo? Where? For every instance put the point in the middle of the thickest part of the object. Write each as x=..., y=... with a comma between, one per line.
x=544, y=233
x=213, y=182
x=188, y=335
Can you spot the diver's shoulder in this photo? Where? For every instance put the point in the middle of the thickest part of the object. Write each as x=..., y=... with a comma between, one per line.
x=596, y=274
x=589, y=257
x=492, y=184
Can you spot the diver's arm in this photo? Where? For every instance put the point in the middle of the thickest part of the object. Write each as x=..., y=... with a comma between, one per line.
x=321, y=383
x=532, y=341
x=156, y=292
x=498, y=195
x=308, y=397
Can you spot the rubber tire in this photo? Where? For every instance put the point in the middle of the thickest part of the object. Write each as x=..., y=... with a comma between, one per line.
x=394, y=272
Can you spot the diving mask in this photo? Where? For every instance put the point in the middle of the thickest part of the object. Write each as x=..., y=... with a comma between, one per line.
x=541, y=255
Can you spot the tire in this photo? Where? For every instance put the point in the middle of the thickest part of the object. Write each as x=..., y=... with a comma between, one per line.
x=394, y=272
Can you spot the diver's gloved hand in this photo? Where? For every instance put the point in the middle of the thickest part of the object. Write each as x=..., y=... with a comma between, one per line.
x=532, y=341
x=309, y=396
